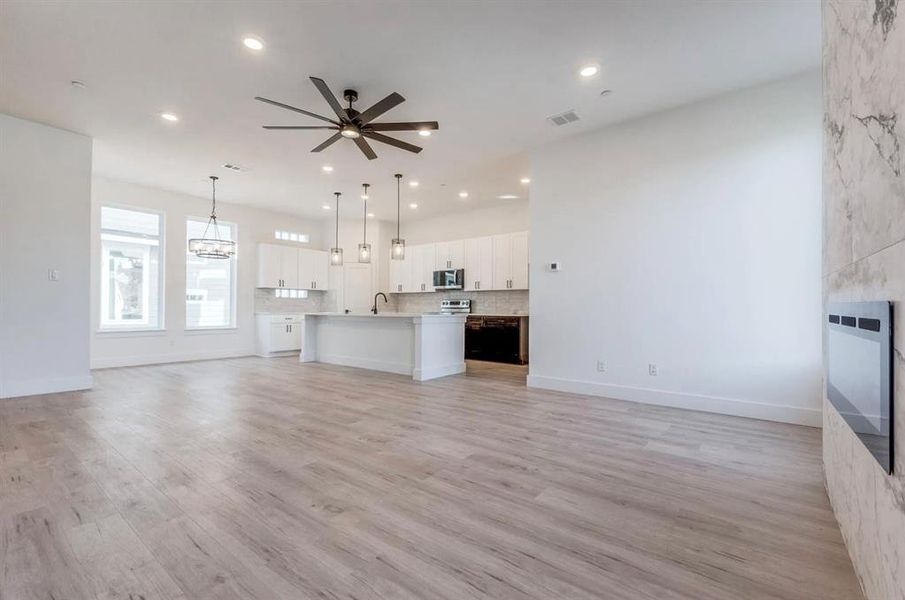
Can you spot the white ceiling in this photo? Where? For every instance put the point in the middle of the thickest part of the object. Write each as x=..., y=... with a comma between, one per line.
x=489, y=72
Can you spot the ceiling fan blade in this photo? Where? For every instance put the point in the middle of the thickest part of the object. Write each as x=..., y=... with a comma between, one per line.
x=381, y=107
x=365, y=147
x=379, y=137
x=321, y=86
x=412, y=126
x=297, y=127
x=329, y=141
x=298, y=110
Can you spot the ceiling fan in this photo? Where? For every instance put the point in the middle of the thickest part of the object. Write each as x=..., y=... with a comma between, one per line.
x=354, y=125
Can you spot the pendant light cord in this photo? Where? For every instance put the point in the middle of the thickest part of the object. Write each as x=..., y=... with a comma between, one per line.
x=365, y=237
x=398, y=214
x=337, y=218
x=213, y=218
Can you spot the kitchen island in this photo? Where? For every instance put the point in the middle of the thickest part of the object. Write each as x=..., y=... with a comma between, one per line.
x=424, y=346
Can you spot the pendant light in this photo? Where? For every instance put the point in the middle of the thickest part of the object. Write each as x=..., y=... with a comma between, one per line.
x=336, y=254
x=398, y=252
x=212, y=247
x=364, y=248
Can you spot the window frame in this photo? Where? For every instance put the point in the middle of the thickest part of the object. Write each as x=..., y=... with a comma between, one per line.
x=106, y=328
x=233, y=275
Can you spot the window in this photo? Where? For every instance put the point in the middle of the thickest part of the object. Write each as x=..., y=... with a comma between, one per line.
x=291, y=236
x=131, y=269
x=210, y=284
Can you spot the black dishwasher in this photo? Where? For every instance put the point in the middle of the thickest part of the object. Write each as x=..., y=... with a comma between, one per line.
x=493, y=339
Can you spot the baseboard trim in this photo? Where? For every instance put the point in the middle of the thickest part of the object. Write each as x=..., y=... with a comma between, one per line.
x=434, y=373
x=810, y=417
x=140, y=360
x=45, y=385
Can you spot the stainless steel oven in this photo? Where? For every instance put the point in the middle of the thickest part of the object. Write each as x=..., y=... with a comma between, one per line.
x=449, y=279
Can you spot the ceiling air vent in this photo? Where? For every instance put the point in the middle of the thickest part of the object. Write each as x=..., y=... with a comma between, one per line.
x=235, y=168
x=570, y=116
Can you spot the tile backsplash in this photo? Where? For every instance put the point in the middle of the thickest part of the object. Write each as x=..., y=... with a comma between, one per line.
x=504, y=302
x=267, y=302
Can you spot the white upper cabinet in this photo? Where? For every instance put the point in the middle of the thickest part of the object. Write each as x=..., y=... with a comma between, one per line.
x=423, y=259
x=277, y=266
x=498, y=262
x=312, y=269
x=519, y=277
x=401, y=274
x=510, y=261
x=450, y=255
x=292, y=268
x=479, y=264
x=270, y=269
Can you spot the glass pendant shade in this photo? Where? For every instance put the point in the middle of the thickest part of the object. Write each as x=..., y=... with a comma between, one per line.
x=214, y=246
x=364, y=253
x=398, y=244
x=398, y=249
x=336, y=257
x=336, y=254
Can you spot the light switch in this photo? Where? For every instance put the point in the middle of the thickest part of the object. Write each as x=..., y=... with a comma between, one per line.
x=53, y=275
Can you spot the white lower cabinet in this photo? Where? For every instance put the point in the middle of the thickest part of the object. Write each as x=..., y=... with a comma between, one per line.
x=276, y=334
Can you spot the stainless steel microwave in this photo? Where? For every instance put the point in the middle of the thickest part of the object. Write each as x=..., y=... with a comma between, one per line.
x=449, y=279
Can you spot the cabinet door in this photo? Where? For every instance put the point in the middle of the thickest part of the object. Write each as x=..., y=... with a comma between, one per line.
x=289, y=266
x=441, y=256
x=456, y=254
x=401, y=274
x=502, y=261
x=269, y=266
x=321, y=269
x=417, y=274
x=479, y=264
x=519, y=246
x=306, y=269
x=295, y=336
x=280, y=337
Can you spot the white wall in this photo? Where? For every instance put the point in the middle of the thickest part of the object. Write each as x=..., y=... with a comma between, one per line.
x=468, y=224
x=689, y=239
x=175, y=343
x=45, y=191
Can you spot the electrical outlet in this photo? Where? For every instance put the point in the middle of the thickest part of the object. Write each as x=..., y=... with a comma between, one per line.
x=53, y=275
x=652, y=370
x=601, y=366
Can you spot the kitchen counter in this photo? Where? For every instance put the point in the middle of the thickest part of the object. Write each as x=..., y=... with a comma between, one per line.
x=424, y=346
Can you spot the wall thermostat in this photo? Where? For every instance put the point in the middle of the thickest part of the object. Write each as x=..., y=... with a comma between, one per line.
x=555, y=266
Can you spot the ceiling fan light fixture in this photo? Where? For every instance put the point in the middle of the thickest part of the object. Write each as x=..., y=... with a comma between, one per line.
x=350, y=131
x=424, y=132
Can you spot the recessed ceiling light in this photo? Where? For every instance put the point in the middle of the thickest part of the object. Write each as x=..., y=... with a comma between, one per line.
x=253, y=43
x=77, y=84
x=507, y=197
x=525, y=180
x=589, y=71
x=327, y=169
x=326, y=207
x=413, y=184
x=463, y=194
x=169, y=117
x=424, y=132
x=370, y=215
x=413, y=205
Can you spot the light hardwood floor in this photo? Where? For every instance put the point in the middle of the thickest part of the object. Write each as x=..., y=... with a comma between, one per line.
x=265, y=478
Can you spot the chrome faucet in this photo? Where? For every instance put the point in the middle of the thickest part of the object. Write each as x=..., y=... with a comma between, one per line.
x=374, y=308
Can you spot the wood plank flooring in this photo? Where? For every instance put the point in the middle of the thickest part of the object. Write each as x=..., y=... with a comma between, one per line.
x=265, y=478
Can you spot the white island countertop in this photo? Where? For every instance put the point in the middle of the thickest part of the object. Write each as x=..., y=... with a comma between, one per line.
x=421, y=345
x=387, y=315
